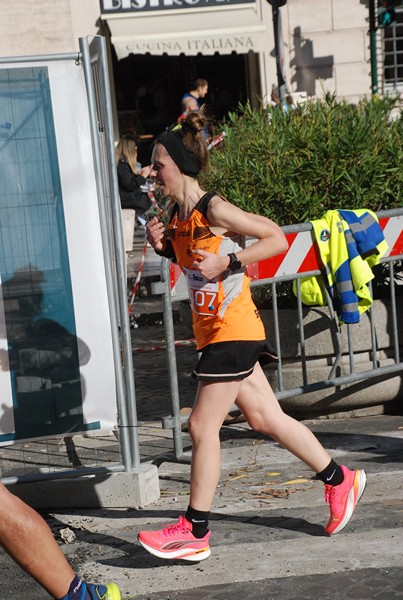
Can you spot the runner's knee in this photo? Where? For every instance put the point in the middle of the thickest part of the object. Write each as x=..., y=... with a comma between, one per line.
x=268, y=422
x=200, y=430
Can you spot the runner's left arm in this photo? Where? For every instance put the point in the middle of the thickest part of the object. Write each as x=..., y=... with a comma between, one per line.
x=230, y=219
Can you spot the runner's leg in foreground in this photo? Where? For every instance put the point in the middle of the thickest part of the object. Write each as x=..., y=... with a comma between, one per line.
x=28, y=540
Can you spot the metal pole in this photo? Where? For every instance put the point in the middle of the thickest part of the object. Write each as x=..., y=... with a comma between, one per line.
x=120, y=389
x=171, y=358
x=120, y=259
x=372, y=45
x=40, y=57
x=339, y=381
x=276, y=30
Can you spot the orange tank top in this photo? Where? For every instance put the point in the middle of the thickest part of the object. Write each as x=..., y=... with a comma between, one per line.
x=222, y=308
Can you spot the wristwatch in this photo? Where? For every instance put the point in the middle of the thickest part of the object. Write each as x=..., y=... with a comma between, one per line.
x=234, y=262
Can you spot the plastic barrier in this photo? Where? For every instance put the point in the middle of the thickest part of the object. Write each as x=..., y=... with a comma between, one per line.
x=299, y=261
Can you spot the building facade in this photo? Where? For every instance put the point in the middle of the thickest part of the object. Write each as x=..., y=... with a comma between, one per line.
x=158, y=48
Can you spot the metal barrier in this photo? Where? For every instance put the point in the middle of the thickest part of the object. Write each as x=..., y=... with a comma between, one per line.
x=93, y=61
x=299, y=261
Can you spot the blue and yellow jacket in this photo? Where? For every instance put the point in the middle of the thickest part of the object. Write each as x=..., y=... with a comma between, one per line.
x=349, y=244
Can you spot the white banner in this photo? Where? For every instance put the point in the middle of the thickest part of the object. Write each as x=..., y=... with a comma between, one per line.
x=57, y=368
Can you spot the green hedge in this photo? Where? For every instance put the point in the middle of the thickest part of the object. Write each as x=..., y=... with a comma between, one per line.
x=325, y=155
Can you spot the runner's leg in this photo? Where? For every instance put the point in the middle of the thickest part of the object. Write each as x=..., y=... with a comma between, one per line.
x=264, y=414
x=29, y=541
x=213, y=402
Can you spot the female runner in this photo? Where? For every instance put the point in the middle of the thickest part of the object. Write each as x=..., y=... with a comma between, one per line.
x=206, y=236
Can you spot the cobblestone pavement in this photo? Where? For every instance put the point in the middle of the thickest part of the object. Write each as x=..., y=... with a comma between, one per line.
x=154, y=361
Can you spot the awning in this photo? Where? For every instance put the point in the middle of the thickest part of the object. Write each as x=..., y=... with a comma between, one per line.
x=159, y=35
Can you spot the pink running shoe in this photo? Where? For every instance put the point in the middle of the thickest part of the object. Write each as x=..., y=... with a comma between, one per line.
x=176, y=541
x=343, y=498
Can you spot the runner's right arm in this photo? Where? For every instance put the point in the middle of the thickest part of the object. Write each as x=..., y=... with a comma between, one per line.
x=157, y=239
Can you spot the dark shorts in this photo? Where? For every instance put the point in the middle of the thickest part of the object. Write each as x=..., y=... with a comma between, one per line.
x=229, y=361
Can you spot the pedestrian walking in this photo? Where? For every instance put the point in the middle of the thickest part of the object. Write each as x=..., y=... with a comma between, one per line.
x=206, y=236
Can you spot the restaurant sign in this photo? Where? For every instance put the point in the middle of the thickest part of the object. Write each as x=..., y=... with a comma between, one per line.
x=137, y=6
x=223, y=44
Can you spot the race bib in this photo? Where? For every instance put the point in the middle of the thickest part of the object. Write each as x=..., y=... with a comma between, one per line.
x=203, y=293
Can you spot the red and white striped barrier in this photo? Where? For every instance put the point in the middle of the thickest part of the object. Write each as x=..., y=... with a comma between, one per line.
x=300, y=256
x=138, y=277
x=217, y=140
x=150, y=194
x=393, y=232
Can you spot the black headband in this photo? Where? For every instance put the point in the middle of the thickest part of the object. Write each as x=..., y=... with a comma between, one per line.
x=177, y=150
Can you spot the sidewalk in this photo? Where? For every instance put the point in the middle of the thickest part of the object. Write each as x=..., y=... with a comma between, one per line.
x=268, y=516
x=267, y=524
x=267, y=520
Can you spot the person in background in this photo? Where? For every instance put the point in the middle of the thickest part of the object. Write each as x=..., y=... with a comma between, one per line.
x=26, y=537
x=274, y=98
x=289, y=104
x=191, y=100
x=131, y=177
x=207, y=238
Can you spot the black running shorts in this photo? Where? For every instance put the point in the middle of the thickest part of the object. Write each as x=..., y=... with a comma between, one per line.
x=229, y=361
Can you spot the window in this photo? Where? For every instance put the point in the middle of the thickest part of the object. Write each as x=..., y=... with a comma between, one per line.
x=393, y=54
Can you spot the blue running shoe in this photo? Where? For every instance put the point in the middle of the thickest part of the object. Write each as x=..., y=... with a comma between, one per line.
x=102, y=592
x=90, y=591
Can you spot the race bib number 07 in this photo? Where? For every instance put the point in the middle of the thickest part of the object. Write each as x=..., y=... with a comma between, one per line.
x=203, y=293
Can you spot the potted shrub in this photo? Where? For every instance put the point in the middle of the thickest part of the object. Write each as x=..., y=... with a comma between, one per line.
x=293, y=167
